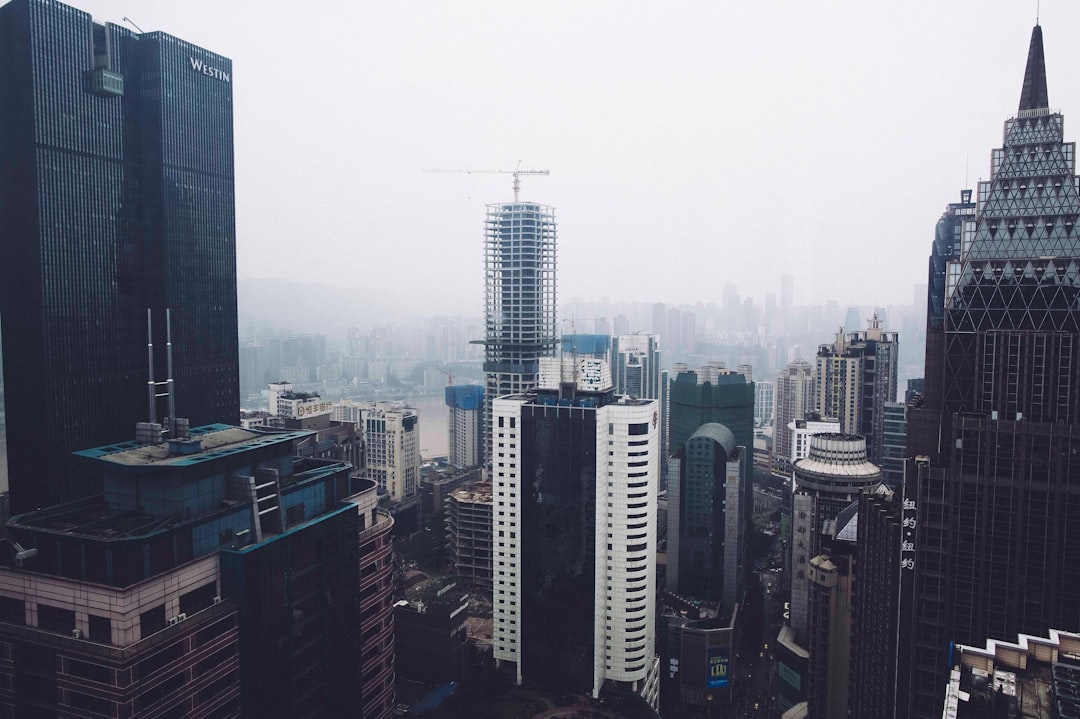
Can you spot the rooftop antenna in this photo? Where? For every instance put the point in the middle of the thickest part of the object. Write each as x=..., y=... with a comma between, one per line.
x=131, y=22
x=152, y=387
x=168, y=367
x=1037, y=12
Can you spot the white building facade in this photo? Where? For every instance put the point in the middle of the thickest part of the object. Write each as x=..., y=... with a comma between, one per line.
x=591, y=538
x=391, y=436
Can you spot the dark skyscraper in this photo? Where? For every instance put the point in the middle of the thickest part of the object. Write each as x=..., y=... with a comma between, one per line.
x=706, y=539
x=116, y=196
x=715, y=394
x=994, y=452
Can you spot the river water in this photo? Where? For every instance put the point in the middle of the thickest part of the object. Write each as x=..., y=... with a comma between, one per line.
x=434, y=421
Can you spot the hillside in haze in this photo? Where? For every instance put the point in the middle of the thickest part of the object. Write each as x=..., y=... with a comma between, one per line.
x=306, y=307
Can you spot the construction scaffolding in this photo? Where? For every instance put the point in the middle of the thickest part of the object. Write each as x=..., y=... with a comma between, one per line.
x=519, y=299
x=469, y=530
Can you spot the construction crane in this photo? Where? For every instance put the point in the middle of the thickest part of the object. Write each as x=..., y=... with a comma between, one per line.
x=449, y=375
x=516, y=173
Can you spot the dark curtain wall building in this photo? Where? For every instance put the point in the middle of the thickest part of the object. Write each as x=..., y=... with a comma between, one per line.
x=116, y=196
x=994, y=452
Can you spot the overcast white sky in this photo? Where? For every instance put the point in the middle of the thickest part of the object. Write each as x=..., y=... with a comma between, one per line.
x=689, y=143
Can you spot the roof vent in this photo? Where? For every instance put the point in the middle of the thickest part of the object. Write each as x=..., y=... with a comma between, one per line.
x=184, y=445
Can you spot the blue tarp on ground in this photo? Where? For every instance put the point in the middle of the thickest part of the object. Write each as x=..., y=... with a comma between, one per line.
x=434, y=698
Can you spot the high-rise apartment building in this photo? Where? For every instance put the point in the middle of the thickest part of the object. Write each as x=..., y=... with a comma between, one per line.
x=115, y=197
x=856, y=377
x=391, y=436
x=764, y=402
x=575, y=481
x=466, y=425
x=795, y=396
x=519, y=300
x=995, y=446
x=801, y=430
x=635, y=365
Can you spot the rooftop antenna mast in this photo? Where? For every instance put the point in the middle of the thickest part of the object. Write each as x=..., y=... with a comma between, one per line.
x=131, y=22
x=517, y=173
x=153, y=389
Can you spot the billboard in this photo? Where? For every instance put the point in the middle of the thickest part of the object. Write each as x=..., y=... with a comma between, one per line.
x=718, y=667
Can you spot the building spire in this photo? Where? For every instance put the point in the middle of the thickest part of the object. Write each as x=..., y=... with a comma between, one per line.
x=1033, y=96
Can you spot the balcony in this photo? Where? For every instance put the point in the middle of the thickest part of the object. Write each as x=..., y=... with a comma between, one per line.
x=384, y=524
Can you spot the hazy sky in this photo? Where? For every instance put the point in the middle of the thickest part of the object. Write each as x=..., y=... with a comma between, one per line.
x=689, y=143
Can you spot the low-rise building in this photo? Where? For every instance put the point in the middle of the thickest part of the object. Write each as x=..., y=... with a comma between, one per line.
x=431, y=640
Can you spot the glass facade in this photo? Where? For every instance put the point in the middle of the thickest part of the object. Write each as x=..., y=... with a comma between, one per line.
x=728, y=400
x=116, y=196
x=996, y=444
x=704, y=512
x=558, y=544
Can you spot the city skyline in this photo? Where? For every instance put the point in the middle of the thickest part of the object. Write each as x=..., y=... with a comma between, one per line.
x=674, y=114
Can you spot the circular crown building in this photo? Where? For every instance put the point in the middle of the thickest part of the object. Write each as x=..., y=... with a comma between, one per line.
x=828, y=480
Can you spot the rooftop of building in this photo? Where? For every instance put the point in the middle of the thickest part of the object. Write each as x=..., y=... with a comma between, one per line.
x=718, y=433
x=837, y=456
x=696, y=613
x=210, y=441
x=290, y=394
x=579, y=399
x=96, y=517
x=479, y=493
x=1033, y=678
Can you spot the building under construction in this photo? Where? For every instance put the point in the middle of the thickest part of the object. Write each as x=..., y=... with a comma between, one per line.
x=519, y=295
x=468, y=529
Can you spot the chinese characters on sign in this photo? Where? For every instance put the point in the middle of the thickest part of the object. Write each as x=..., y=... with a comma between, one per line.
x=907, y=544
x=718, y=667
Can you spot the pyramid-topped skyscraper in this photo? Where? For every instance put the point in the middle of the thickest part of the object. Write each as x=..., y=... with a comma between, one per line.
x=992, y=491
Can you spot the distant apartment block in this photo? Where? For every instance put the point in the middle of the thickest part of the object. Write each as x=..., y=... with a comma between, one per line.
x=764, y=403
x=795, y=396
x=856, y=378
x=391, y=436
x=801, y=430
x=466, y=425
